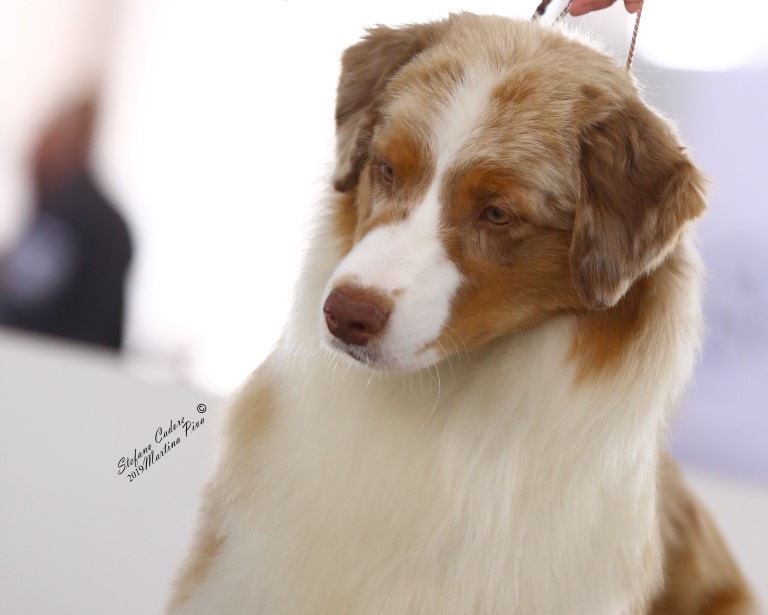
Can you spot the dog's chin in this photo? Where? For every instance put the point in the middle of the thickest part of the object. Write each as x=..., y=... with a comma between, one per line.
x=379, y=360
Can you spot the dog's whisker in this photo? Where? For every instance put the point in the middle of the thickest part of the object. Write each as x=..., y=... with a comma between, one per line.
x=454, y=334
x=448, y=358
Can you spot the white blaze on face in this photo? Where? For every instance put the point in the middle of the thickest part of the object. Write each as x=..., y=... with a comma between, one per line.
x=407, y=260
x=462, y=115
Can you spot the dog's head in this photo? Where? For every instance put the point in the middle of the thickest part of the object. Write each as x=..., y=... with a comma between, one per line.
x=494, y=173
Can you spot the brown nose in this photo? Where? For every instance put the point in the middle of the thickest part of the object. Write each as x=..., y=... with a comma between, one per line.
x=355, y=315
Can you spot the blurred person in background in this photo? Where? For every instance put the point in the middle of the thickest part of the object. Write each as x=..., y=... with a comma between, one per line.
x=66, y=275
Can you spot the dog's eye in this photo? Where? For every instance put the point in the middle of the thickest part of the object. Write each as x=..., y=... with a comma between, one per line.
x=386, y=173
x=496, y=216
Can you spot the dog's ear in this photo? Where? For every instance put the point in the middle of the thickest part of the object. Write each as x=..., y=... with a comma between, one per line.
x=365, y=70
x=638, y=189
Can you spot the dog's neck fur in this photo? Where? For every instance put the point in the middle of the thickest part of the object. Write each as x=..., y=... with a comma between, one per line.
x=532, y=468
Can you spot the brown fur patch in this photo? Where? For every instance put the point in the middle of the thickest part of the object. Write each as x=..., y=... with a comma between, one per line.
x=411, y=164
x=515, y=276
x=700, y=576
x=409, y=157
x=539, y=124
x=251, y=417
x=603, y=338
x=532, y=285
x=426, y=81
x=369, y=216
x=366, y=70
x=206, y=547
x=391, y=214
x=345, y=215
x=638, y=190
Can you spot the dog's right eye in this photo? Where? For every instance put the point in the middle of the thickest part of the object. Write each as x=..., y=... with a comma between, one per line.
x=386, y=173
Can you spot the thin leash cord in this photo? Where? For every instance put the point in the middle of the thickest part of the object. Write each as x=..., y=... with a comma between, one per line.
x=542, y=8
x=631, y=53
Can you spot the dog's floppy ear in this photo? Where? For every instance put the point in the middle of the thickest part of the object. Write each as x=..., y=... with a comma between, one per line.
x=638, y=189
x=365, y=70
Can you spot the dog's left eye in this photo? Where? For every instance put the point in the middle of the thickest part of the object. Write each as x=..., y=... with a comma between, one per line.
x=496, y=216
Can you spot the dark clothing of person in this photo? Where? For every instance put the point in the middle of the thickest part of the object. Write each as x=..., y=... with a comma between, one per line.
x=66, y=276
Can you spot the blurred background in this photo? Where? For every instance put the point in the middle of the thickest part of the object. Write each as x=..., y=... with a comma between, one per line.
x=159, y=162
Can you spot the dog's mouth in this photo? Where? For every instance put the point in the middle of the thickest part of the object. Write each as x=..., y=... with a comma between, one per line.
x=377, y=356
x=364, y=355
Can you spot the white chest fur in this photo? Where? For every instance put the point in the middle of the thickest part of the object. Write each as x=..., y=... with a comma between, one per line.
x=489, y=485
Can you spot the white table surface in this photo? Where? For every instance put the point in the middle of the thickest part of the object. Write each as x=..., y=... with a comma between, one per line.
x=75, y=537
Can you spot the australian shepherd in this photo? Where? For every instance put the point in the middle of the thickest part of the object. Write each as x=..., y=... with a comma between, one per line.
x=500, y=307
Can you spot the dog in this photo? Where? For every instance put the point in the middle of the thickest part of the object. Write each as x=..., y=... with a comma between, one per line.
x=500, y=307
